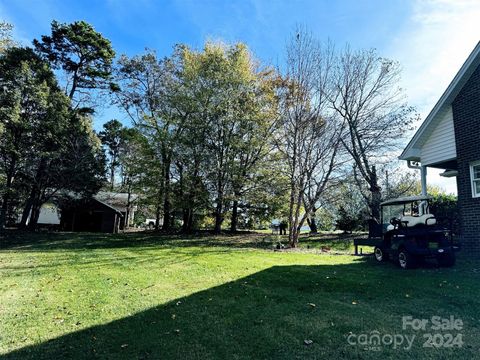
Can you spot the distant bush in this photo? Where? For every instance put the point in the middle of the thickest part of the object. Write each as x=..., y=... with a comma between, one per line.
x=347, y=222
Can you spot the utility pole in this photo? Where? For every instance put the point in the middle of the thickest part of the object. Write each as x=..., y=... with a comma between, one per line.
x=387, y=184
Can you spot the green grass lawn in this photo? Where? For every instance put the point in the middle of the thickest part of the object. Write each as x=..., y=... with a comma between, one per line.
x=146, y=296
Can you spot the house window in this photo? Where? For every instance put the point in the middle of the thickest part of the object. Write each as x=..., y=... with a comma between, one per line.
x=475, y=176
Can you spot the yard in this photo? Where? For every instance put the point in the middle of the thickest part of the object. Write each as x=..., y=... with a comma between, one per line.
x=146, y=296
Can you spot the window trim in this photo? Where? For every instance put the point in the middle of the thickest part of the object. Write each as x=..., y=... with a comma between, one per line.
x=473, y=180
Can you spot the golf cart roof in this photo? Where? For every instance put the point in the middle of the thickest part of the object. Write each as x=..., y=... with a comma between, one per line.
x=406, y=199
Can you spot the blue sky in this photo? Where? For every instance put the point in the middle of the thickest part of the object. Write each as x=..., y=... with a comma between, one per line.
x=430, y=38
x=263, y=24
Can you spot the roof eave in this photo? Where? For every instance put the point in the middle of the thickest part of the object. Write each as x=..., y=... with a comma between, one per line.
x=412, y=154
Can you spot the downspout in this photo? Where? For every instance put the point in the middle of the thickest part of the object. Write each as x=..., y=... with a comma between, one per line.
x=423, y=175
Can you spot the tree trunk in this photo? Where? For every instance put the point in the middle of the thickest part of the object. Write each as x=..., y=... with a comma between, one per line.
x=6, y=194
x=295, y=230
x=74, y=85
x=112, y=174
x=291, y=230
x=37, y=195
x=190, y=220
x=27, y=209
x=376, y=192
x=312, y=223
x=376, y=200
x=158, y=209
x=234, y=220
x=166, y=204
x=127, y=213
x=74, y=219
x=219, y=212
x=185, y=207
x=219, y=207
x=187, y=225
x=4, y=209
x=185, y=219
x=194, y=195
x=32, y=224
x=218, y=216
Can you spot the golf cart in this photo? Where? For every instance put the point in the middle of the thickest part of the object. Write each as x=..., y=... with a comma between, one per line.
x=408, y=233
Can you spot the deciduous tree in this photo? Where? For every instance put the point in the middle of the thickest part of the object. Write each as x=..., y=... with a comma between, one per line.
x=309, y=137
x=369, y=101
x=145, y=89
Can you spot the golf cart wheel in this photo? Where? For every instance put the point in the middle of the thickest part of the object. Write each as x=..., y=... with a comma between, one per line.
x=446, y=259
x=406, y=260
x=380, y=254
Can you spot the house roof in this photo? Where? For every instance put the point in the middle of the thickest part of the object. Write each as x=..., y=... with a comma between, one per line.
x=108, y=206
x=112, y=200
x=117, y=201
x=412, y=150
x=406, y=199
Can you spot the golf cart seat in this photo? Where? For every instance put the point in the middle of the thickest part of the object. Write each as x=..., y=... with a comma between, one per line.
x=411, y=221
x=425, y=219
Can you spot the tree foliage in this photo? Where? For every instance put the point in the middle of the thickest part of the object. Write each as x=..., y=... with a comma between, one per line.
x=347, y=221
x=112, y=137
x=6, y=39
x=45, y=146
x=206, y=115
x=217, y=137
x=83, y=54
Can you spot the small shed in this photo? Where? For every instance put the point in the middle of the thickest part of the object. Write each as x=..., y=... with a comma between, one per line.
x=125, y=203
x=92, y=215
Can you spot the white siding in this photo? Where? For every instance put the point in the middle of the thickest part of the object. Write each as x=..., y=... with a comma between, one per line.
x=440, y=145
x=49, y=215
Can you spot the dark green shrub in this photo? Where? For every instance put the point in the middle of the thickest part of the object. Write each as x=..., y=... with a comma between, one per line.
x=347, y=222
x=445, y=209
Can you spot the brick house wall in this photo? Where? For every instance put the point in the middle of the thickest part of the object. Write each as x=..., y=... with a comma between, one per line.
x=466, y=118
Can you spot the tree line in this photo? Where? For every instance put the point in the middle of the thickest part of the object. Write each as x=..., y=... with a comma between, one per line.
x=217, y=138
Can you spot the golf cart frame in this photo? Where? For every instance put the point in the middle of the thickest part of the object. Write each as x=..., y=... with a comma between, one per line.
x=408, y=234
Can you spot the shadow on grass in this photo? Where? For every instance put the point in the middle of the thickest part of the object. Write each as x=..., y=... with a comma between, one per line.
x=80, y=241
x=266, y=315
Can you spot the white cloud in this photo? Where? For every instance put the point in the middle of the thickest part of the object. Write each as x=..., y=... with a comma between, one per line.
x=432, y=46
